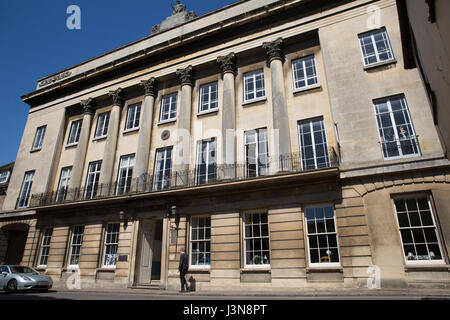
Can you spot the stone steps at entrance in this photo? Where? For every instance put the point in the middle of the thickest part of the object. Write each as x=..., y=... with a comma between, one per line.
x=155, y=285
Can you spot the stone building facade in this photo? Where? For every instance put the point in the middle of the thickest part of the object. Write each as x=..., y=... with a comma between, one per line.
x=282, y=143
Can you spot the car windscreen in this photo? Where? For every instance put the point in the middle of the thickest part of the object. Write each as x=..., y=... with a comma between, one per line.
x=20, y=269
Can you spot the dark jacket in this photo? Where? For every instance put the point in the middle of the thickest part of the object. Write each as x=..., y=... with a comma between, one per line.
x=184, y=263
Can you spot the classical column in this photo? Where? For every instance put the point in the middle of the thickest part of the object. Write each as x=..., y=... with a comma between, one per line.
x=145, y=132
x=227, y=65
x=109, y=154
x=181, y=155
x=281, y=145
x=80, y=154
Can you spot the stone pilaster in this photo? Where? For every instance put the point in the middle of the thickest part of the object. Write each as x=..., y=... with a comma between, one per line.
x=281, y=146
x=145, y=132
x=227, y=65
x=80, y=154
x=109, y=155
x=181, y=155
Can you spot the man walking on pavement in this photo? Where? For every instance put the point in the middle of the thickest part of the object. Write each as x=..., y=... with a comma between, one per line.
x=183, y=268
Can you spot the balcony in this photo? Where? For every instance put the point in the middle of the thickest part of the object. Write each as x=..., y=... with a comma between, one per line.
x=218, y=174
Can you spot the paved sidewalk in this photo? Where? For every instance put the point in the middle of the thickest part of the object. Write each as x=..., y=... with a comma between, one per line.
x=432, y=293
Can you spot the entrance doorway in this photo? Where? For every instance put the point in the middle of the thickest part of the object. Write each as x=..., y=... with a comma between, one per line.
x=14, y=237
x=149, y=252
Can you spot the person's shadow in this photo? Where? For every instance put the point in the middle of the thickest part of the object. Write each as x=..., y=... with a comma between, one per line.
x=191, y=284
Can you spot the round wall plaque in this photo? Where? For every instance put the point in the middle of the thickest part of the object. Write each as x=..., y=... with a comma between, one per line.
x=165, y=135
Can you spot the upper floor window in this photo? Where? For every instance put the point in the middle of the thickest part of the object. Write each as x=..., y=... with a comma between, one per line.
x=418, y=230
x=206, y=161
x=75, y=131
x=256, y=239
x=313, y=144
x=169, y=107
x=322, y=236
x=163, y=169
x=45, y=246
x=305, y=74
x=111, y=245
x=4, y=176
x=38, y=138
x=26, y=190
x=208, y=97
x=375, y=47
x=63, y=185
x=133, y=117
x=102, y=125
x=254, y=85
x=396, y=131
x=125, y=174
x=200, y=241
x=256, y=153
x=92, y=179
x=75, y=245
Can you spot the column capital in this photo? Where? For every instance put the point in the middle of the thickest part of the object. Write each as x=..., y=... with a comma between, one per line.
x=274, y=50
x=186, y=76
x=117, y=97
x=88, y=106
x=150, y=86
x=227, y=64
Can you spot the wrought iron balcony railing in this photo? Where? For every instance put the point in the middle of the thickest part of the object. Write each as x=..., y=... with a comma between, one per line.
x=146, y=183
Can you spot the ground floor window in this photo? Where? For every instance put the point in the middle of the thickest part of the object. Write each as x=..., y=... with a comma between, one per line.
x=75, y=245
x=418, y=230
x=200, y=244
x=111, y=245
x=321, y=235
x=256, y=239
x=45, y=246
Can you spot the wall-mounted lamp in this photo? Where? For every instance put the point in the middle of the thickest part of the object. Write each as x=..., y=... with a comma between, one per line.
x=123, y=219
x=173, y=213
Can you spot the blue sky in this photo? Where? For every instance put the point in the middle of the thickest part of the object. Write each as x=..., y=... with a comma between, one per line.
x=35, y=42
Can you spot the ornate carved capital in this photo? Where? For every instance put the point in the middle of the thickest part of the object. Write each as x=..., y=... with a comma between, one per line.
x=117, y=97
x=186, y=76
x=274, y=50
x=150, y=86
x=88, y=106
x=227, y=64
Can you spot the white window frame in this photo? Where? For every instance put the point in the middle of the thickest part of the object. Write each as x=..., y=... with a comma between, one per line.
x=209, y=102
x=252, y=76
x=64, y=180
x=46, y=235
x=313, y=142
x=100, y=130
x=106, y=244
x=205, y=239
x=322, y=264
x=394, y=125
x=39, y=138
x=134, y=110
x=306, y=78
x=75, y=132
x=245, y=238
x=25, y=191
x=79, y=237
x=377, y=54
x=4, y=176
x=96, y=179
x=126, y=166
x=210, y=143
x=259, y=169
x=435, y=226
x=157, y=173
x=172, y=100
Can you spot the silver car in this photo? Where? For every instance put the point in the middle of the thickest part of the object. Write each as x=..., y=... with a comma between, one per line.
x=18, y=278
